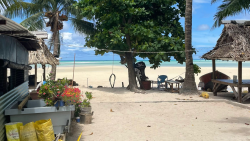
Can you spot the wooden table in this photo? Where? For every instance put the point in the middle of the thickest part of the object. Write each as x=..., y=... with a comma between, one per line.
x=171, y=82
x=229, y=82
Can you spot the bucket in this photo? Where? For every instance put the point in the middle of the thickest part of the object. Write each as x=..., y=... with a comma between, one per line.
x=59, y=103
x=77, y=119
x=86, y=110
x=146, y=85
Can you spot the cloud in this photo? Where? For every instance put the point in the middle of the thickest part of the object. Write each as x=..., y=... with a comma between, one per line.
x=203, y=27
x=66, y=35
x=201, y=1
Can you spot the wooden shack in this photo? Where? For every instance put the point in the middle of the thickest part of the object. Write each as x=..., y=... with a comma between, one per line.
x=15, y=42
x=233, y=44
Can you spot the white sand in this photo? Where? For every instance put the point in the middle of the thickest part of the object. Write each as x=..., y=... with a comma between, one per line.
x=168, y=121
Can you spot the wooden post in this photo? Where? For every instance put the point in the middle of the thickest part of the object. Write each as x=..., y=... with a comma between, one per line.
x=213, y=77
x=44, y=75
x=35, y=75
x=239, y=81
x=214, y=68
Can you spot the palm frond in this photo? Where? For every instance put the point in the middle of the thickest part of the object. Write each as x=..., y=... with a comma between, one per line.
x=34, y=22
x=22, y=10
x=4, y=4
x=83, y=26
x=230, y=8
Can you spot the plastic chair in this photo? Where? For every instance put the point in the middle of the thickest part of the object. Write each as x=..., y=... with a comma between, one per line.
x=161, y=79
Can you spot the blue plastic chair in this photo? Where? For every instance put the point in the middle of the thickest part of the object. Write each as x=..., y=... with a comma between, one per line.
x=161, y=79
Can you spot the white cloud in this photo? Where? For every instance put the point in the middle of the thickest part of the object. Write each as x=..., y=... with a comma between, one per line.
x=201, y=1
x=86, y=49
x=67, y=36
x=203, y=27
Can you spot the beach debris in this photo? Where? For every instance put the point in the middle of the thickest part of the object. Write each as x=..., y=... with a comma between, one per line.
x=148, y=126
x=111, y=110
x=175, y=104
x=246, y=123
x=91, y=133
x=140, y=105
x=191, y=97
x=204, y=94
x=90, y=86
x=196, y=118
x=99, y=86
x=226, y=118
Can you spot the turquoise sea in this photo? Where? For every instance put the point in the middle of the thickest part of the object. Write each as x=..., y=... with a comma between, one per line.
x=201, y=63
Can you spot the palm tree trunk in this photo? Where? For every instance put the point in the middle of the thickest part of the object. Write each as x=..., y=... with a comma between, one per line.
x=56, y=43
x=189, y=83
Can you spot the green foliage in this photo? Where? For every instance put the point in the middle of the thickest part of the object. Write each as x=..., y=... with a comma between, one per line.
x=52, y=90
x=197, y=69
x=88, y=95
x=230, y=8
x=142, y=26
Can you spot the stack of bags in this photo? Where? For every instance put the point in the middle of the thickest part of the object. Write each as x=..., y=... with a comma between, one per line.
x=41, y=130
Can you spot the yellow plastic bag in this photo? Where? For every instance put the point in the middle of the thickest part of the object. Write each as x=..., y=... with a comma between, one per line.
x=44, y=130
x=28, y=132
x=12, y=131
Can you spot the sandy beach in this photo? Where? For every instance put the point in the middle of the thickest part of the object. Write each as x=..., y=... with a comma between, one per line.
x=156, y=115
x=99, y=75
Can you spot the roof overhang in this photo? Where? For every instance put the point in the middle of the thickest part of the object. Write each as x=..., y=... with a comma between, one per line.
x=23, y=35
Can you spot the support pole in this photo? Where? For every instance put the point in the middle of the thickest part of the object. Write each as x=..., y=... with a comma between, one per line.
x=240, y=81
x=214, y=68
x=35, y=75
x=44, y=76
x=213, y=77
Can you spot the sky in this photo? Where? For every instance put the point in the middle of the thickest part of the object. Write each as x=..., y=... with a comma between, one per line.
x=203, y=37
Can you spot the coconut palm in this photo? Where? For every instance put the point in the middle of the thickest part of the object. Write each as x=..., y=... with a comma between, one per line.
x=5, y=4
x=189, y=86
x=49, y=13
x=230, y=8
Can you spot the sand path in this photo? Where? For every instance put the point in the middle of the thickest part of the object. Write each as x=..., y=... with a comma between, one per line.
x=138, y=117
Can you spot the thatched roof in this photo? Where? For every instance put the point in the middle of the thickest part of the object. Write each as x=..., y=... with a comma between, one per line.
x=233, y=44
x=42, y=56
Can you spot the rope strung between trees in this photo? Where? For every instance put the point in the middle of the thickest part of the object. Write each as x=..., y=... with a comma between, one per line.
x=112, y=86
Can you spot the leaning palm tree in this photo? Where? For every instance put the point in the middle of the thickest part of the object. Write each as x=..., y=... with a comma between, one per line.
x=49, y=13
x=230, y=8
x=189, y=86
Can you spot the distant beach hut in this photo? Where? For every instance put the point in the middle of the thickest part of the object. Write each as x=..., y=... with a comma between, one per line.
x=233, y=44
x=42, y=56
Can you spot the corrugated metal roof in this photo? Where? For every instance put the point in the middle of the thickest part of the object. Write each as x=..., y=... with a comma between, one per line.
x=24, y=36
x=12, y=26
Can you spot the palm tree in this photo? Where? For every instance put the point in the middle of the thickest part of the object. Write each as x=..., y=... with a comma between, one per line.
x=5, y=4
x=189, y=86
x=37, y=12
x=230, y=8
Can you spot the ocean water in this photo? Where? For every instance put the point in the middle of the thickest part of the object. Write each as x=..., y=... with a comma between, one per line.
x=201, y=63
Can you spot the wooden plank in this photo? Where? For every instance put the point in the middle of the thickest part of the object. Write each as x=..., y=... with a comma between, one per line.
x=240, y=81
x=246, y=97
x=216, y=89
x=215, y=84
x=235, y=93
x=20, y=106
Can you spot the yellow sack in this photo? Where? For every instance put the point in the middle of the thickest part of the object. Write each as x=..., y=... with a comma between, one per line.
x=44, y=130
x=12, y=131
x=28, y=132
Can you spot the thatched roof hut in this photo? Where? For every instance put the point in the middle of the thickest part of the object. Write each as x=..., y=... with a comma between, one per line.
x=233, y=44
x=42, y=56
